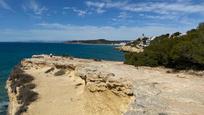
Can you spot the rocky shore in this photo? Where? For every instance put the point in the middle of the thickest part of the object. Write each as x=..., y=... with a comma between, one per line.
x=53, y=85
x=126, y=48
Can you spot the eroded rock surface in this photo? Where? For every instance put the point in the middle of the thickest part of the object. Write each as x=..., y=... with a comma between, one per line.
x=97, y=81
x=87, y=87
x=77, y=84
x=126, y=48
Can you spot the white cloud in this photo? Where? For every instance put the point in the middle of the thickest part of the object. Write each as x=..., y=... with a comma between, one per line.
x=174, y=10
x=123, y=18
x=56, y=31
x=78, y=11
x=53, y=26
x=160, y=17
x=98, y=6
x=4, y=5
x=35, y=7
x=157, y=7
x=124, y=15
x=100, y=11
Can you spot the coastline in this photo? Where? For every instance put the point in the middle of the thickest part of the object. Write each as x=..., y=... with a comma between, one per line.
x=96, y=86
x=125, y=48
x=84, y=91
x=91, y=44
x=13, y=53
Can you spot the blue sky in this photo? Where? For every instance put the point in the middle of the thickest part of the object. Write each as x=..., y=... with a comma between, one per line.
x=59, y=20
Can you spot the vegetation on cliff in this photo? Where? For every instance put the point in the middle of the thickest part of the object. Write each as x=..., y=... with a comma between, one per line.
x=22, y=87
x=174, y=51
x=140, y=41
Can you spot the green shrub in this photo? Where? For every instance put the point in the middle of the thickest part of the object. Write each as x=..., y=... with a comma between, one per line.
x=175, y=51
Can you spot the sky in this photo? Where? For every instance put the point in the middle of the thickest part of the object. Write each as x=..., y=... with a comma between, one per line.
x=61, y=20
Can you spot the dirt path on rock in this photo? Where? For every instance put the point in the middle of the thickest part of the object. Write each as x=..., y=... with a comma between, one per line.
x=57, y=95
x=66, y=95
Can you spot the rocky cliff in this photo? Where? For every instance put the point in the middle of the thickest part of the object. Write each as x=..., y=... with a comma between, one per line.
x=127, y=48
x=41, y=81
x=52, y=85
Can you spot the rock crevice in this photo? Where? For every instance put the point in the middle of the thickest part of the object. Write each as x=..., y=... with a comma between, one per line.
x=97, y=81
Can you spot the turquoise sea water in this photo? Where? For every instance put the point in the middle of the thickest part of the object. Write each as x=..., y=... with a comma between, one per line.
x=12, y=53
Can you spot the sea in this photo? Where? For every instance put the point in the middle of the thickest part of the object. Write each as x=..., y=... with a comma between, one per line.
x=12, y=53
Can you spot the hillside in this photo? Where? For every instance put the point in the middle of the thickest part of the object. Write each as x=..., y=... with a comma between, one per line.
x=97, y=41
x=137, y=45
x=174, y=51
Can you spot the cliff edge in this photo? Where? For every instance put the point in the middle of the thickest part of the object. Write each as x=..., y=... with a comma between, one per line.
x=53, y=85
x=127, y=48
x=44, y=85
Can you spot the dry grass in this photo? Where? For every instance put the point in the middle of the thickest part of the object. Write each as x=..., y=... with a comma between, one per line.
x=25, y=95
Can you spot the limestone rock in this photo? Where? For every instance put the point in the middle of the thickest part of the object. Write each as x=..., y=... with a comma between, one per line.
x=129, y=49
x=108, y=87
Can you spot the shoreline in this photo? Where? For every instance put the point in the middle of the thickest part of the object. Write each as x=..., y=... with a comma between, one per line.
x=84, y=91
x=92, y=44
x=125, y=48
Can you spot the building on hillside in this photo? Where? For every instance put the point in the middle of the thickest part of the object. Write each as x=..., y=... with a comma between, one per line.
x=145, y=41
